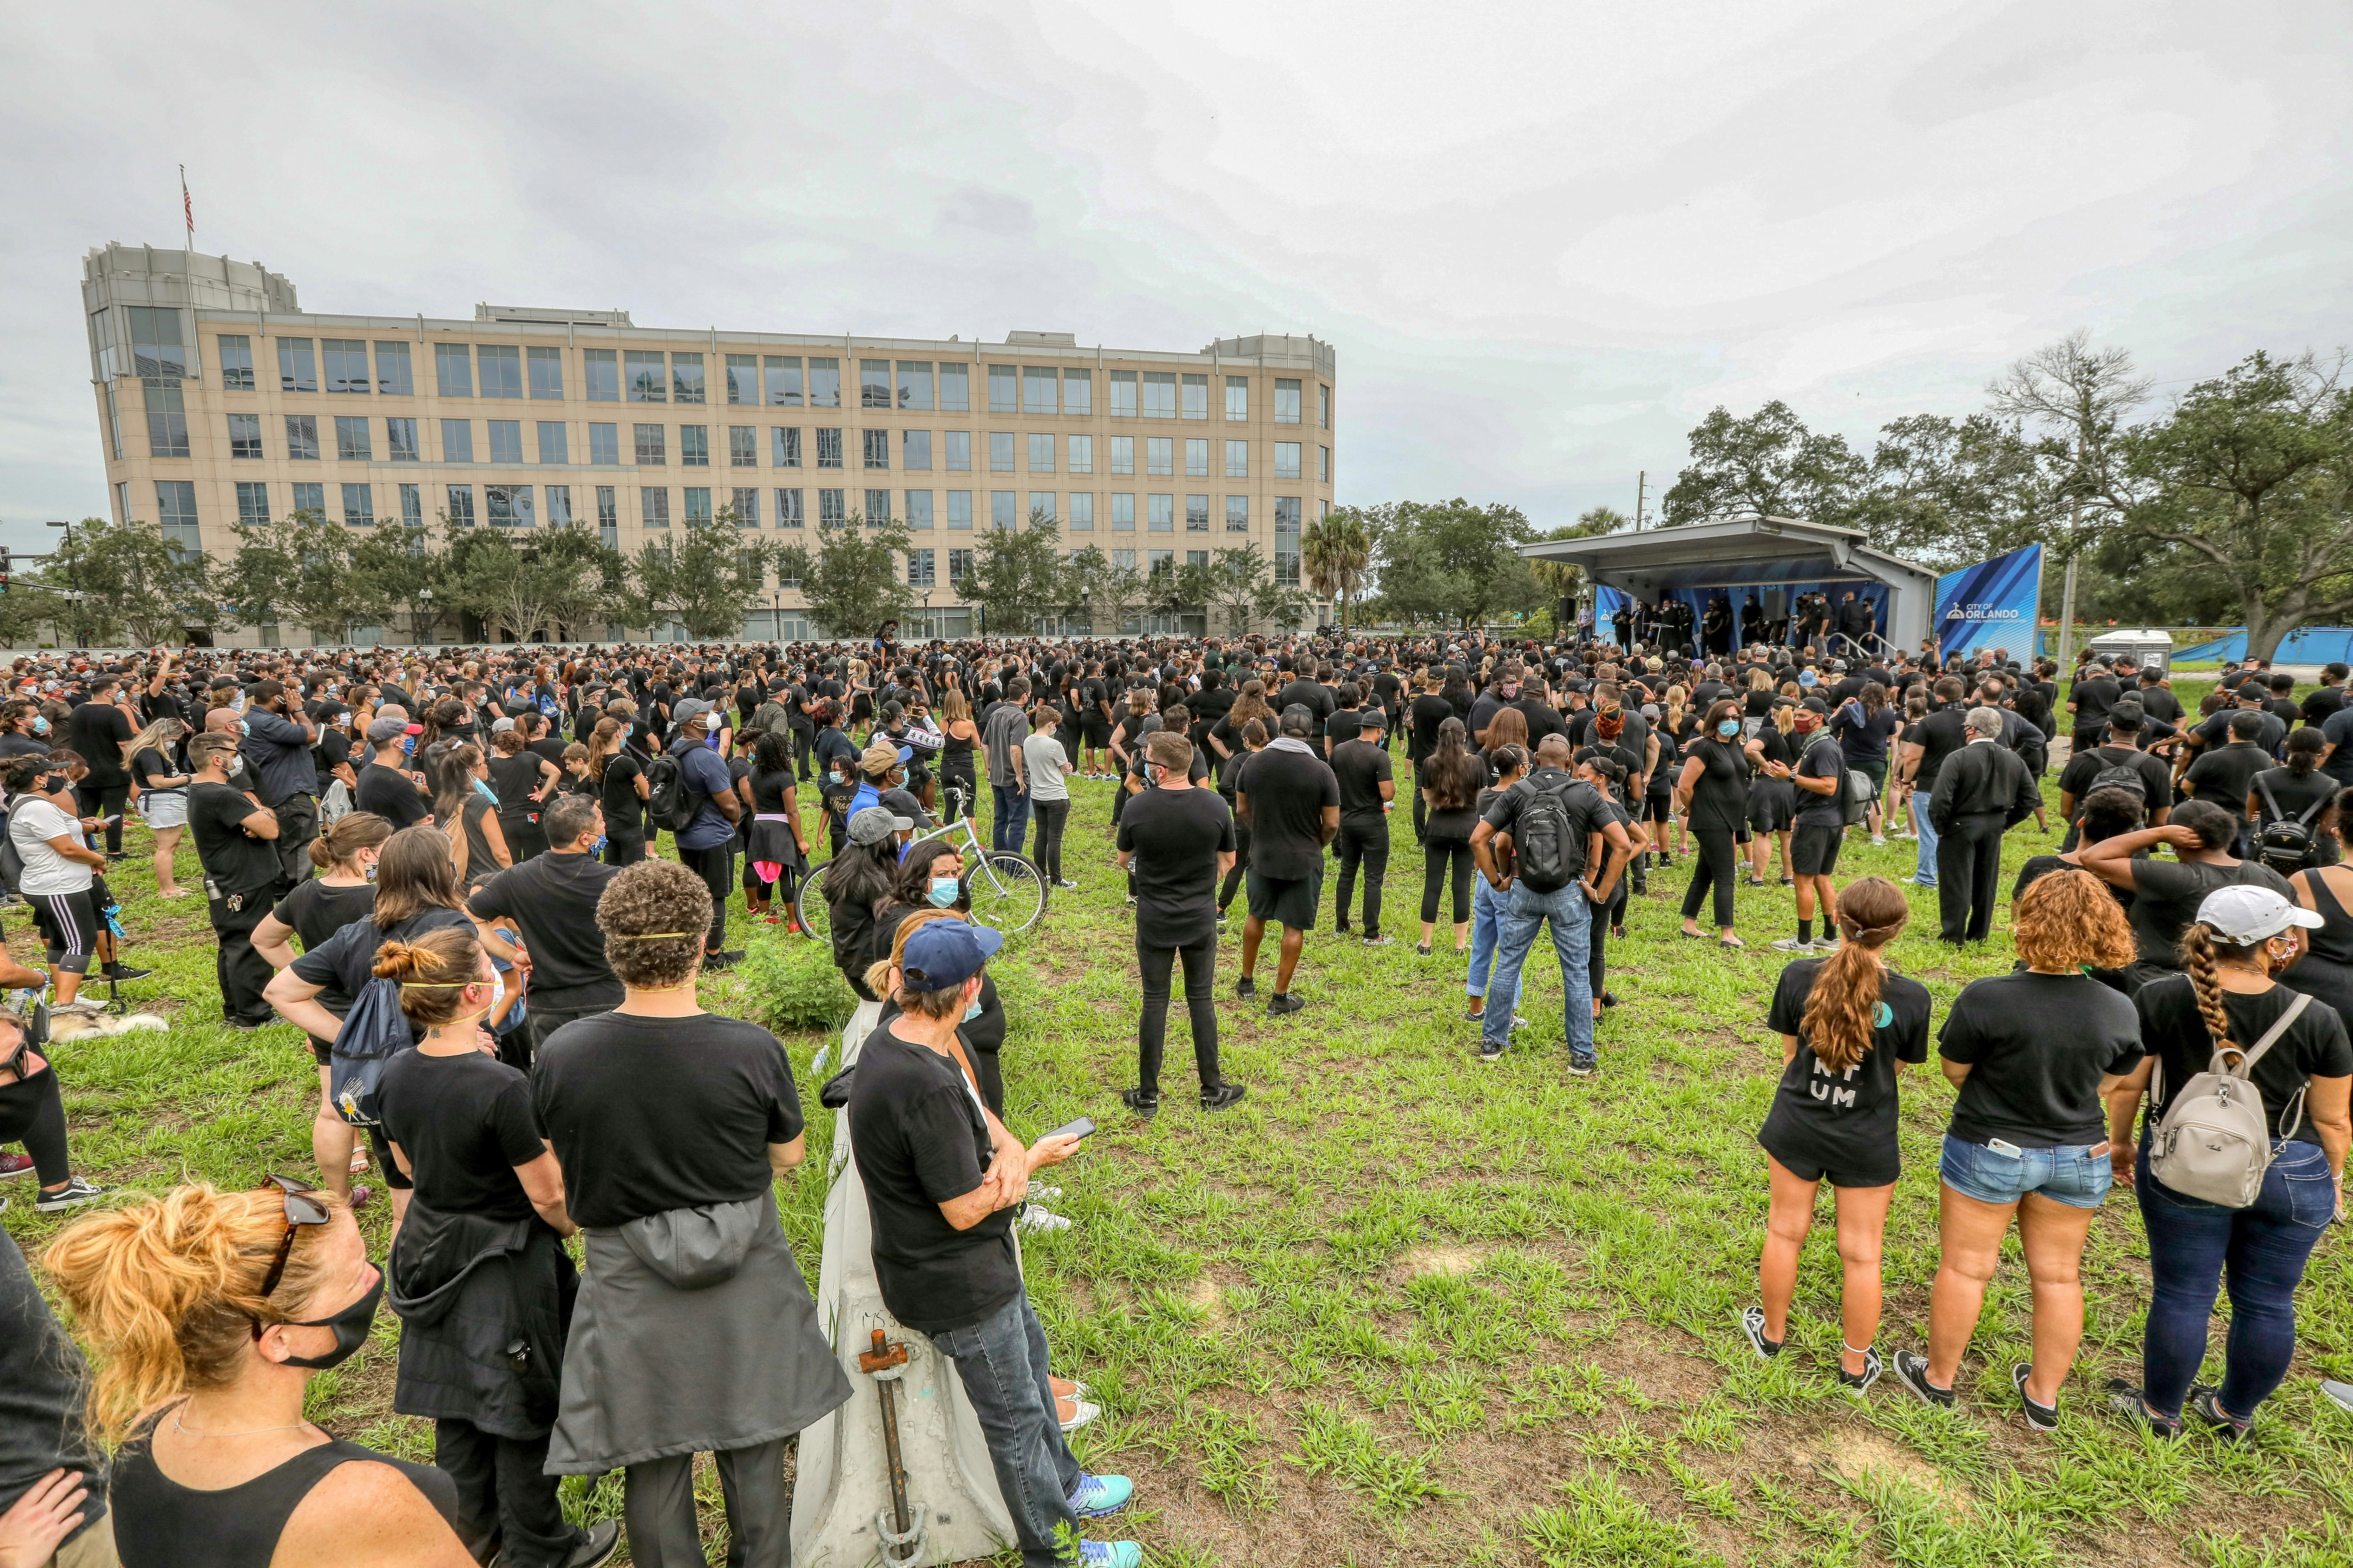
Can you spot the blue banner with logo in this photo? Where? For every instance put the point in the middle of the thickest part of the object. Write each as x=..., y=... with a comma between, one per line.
x=1606, y=603
x=1992, y=604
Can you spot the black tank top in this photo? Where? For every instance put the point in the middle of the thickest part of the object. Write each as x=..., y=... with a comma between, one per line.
x=958, y=750
x=2333, y=942
x=159, y=1523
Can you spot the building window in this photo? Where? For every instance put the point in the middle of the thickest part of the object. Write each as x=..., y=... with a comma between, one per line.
x=1323, y=407
x=506, y=440
x=1041, y=454
x=554, y=447
x=1196, y=514
x=1000, y=451
x=694, y=446
x=959, y=565
x=501, y=369
x=915, y=384
x=252, y=504
x=919, y=509
x=783, y=378
x=1286, y=540
x=299, y=372
x=788, y=510
x=1286, y=459
x=1160, y=394
x=744, y=378
x=1161, y=561
x=457, y=440
x=236, y=363
x=412, y=506
x=301, y=437
x=1123, y=394
x=785, y=446
x=609, y=516
x=1237, y=399
x=743, y=447
x=245, y=435
x=1082, y=510
x=1041, y=505
x=1123, y=454
x=1238, y=460
x=697, y=506
x=167, y=421
x=653, y=506
x=874, y=449
x=1001, y=512
x=652, y=446
x=1196, y=459
x=400, y=438
x=359, y=506
x=831, y=512
x=919, y=569
x=874, y=384
x=347, y=366
x=823, y=384
x=1237, y=514
x=352, y=438
x=602, y=372
x=559, y=506
x=1162, y=515
x=1159, y=455
x=959, y=508
x=1082, y=454
x=828, y=449
x=686, y=378
x=1324, y=470
x=462, y=505
x=1123, y=559
x=310, y=503
x=1123, y=513
x=453, y=370
x=1036, y=389
x=175, y=514
x=915, y=451
x=157, y=352
x=1197, y=396
x=955, y=388
x=1003, y=395
x=1078, y=391
x=1286, y=401
x=648, y=378
x=605, y=445
x=113, y=424
x=392, y=374
x=878, y=507
x=959, y=452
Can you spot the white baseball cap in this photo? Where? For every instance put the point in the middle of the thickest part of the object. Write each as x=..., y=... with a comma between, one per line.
x=2243, y=915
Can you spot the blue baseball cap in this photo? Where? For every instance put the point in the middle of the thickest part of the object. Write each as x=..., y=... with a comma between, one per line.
x=944, y=953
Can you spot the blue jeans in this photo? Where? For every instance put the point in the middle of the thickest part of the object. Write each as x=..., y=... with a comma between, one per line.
x=1010, y=825
x=1521, y=912
x=2259, y=1251
x=1486, y=906
x=2070, y=1173
x=1002, y=1360
x=1924, y=872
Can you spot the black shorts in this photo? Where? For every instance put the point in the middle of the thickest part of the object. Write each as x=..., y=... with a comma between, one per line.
x=1097, y=730
x=321, y=1052
x=1872, y=1176
x=1772, y=806
x=386, y=1166
x=1814, y=849
x=1286, y=900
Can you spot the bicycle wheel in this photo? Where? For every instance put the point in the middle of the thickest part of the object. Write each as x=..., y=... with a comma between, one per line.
x=810, y=907
x=1008, y=892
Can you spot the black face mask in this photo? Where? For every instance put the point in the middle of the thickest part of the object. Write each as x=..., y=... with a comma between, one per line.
x=351, y=1325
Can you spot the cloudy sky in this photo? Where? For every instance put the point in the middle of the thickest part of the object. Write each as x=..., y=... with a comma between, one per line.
x=1545, y=238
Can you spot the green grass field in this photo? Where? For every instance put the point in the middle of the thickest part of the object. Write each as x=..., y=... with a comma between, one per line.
x=1402, y=1308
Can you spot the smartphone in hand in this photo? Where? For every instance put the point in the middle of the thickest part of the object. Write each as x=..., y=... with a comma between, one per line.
x=1083, y=1126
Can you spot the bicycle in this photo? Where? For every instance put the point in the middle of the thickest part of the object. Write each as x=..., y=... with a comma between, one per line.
x=1007, y=891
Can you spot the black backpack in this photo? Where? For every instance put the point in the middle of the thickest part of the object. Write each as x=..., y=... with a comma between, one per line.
x=375, y=1031
x=2286, y=842
x=1544, y=840
x=668, y=803
x=2120, y=775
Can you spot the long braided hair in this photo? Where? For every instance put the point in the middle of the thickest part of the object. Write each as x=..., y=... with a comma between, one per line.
x=2201, y=946
x=1844, y=1003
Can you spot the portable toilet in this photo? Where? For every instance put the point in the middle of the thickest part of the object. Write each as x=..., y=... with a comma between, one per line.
x=2145, y=646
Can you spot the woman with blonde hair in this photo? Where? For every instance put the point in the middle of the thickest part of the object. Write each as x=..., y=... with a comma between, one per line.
x=2034, y=1053
x=621, y=786
x=207, y=1314
x=957, y=777
x=163, y=788
x=1848, y=1026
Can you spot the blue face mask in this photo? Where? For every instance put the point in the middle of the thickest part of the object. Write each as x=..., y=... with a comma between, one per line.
x=483, y=789
x=597, y=848
x=943, y=891
x=1728, y=728
x=40, y=725
x=972, y=1011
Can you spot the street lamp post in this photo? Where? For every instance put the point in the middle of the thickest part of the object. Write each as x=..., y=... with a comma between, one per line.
x=73, y=580
x=424, y=598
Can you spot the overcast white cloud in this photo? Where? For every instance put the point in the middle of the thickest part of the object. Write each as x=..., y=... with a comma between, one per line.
x=1544, y=238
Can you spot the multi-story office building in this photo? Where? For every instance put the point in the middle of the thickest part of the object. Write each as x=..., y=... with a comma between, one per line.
x=219, y=399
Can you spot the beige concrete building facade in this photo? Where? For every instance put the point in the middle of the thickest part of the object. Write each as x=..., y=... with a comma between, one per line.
x=220, y=399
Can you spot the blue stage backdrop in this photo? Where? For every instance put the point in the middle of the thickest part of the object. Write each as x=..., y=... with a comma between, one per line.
x=1606, y=603
x=1990, y=604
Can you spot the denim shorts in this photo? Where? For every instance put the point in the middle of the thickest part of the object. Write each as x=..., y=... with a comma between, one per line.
x=2070, y=1175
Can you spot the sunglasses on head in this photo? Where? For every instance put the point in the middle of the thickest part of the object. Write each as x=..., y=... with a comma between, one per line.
x=303, y=1207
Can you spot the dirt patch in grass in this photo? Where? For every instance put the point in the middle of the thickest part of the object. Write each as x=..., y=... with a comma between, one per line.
x=1447, y=1261
x=1853, y=1452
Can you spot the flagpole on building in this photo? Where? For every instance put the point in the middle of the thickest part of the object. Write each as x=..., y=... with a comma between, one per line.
x=188, y=248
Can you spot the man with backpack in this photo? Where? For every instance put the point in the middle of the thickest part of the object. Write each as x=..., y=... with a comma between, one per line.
x=1549, y=816
x=2120, y=763
x=689, y=792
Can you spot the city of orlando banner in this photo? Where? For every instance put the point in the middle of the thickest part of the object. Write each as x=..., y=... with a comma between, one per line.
x=1992, y=604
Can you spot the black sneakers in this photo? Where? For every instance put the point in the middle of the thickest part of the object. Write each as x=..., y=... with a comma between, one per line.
x=1223, y=1098
x=1752, y=1329
x=2041, y=1417
x=2206, y=1405
x=2129, y=1403
x=1858, y=1383
x=1146, y=1106
x=119, y=971
x=1283, y=1002
x=1245, y=986
x=1912, y=1372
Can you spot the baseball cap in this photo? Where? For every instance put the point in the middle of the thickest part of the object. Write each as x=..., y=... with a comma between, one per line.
x=942, y=953
x=498, y=724
x=687, y=708
x=2245, y=914
x=873, y=825
x=381, y=729
x=881, y=756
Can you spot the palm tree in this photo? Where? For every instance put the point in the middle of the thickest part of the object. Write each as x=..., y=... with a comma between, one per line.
x=1334, y=551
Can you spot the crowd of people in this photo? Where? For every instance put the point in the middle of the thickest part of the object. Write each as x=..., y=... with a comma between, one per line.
x=492, y=954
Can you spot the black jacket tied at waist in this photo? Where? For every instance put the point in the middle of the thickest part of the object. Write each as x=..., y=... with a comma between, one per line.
x=485, y=1305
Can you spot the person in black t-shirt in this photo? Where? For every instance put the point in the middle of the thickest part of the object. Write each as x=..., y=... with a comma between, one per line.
x=1848, y=1026
x=1176, y=839
x=2226, y=775
x=2242, y=939
x=2121, y=754
x=1289, y=800
x=1920, y=757
x=1819, y=827
x=235, y=835
x=385, y=788
x=1368, y=784
x=552, y=899
x=2298, y=792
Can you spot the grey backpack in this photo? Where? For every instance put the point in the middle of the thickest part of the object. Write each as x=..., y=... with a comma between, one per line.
x=1856, y=796
x=2214, y=1142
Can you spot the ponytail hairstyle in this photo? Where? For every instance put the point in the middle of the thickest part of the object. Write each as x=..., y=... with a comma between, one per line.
x=2201, y=946
x=433, y=972
x=603, y=741
x=453, y=784
x=1507, y=760
x=167, y=1293
x=1839, y=1010
x=878, y=973
x=2068, y=920
x=1254, y=734
x=346, y=837
x=2304, y=749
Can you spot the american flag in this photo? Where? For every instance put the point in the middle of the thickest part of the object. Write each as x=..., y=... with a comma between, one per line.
x=188, y=205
